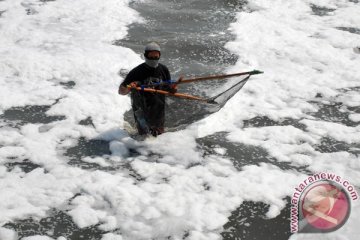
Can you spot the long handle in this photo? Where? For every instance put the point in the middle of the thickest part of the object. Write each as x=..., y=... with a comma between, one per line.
x=254, y=72
x=146, y=88
x=179, y=95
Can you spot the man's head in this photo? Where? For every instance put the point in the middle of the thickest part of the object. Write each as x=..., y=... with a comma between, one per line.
x=152, y=54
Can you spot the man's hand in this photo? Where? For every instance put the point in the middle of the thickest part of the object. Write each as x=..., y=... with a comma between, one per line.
x=134, y=84
x=180, y=78
x=173, y=87
x=123, y=90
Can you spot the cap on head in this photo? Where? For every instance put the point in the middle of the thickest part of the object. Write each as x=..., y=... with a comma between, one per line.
x=150, y=59
x=153, y=46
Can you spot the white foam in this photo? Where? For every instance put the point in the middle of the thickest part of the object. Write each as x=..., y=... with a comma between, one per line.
x=57, y=44
x=334, y=130
x=172, y=187
x=8, y=234
x=111, y=236
x=37, y=237
x=284, y=143
x=355, y=117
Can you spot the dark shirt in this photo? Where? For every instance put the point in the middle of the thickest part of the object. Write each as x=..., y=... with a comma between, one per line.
x=151, y=104
x=146, y=75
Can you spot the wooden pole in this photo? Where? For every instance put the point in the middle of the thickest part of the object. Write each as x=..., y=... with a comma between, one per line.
x=179, y=95
x=254, y=72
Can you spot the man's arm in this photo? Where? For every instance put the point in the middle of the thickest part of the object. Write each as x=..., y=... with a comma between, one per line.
x=123, y=90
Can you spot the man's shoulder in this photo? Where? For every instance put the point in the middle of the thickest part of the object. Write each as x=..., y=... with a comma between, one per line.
x=139, y=67
x=162, y=66
x=134, y=74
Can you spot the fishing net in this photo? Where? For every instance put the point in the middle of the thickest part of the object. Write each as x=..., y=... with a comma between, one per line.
x=182, y=112
x=224, y=96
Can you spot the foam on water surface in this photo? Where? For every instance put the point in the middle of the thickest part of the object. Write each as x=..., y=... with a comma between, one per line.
x=64, y=153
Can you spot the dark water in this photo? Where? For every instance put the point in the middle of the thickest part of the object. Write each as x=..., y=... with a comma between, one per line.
x=56, y=225
x=192, y=35
x=321, y=11
x=18, y=116
x=249, y=222
x=242, y=154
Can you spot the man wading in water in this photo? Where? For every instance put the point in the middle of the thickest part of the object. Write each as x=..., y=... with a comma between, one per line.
x=148, y=108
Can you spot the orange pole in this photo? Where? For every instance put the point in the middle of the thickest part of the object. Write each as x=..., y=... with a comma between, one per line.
x=166, y=93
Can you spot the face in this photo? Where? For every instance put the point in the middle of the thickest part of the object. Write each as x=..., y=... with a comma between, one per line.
x=153, y=55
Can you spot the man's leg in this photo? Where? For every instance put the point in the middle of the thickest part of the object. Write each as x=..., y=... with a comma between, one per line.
x=155, y=131
x=141, y=123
